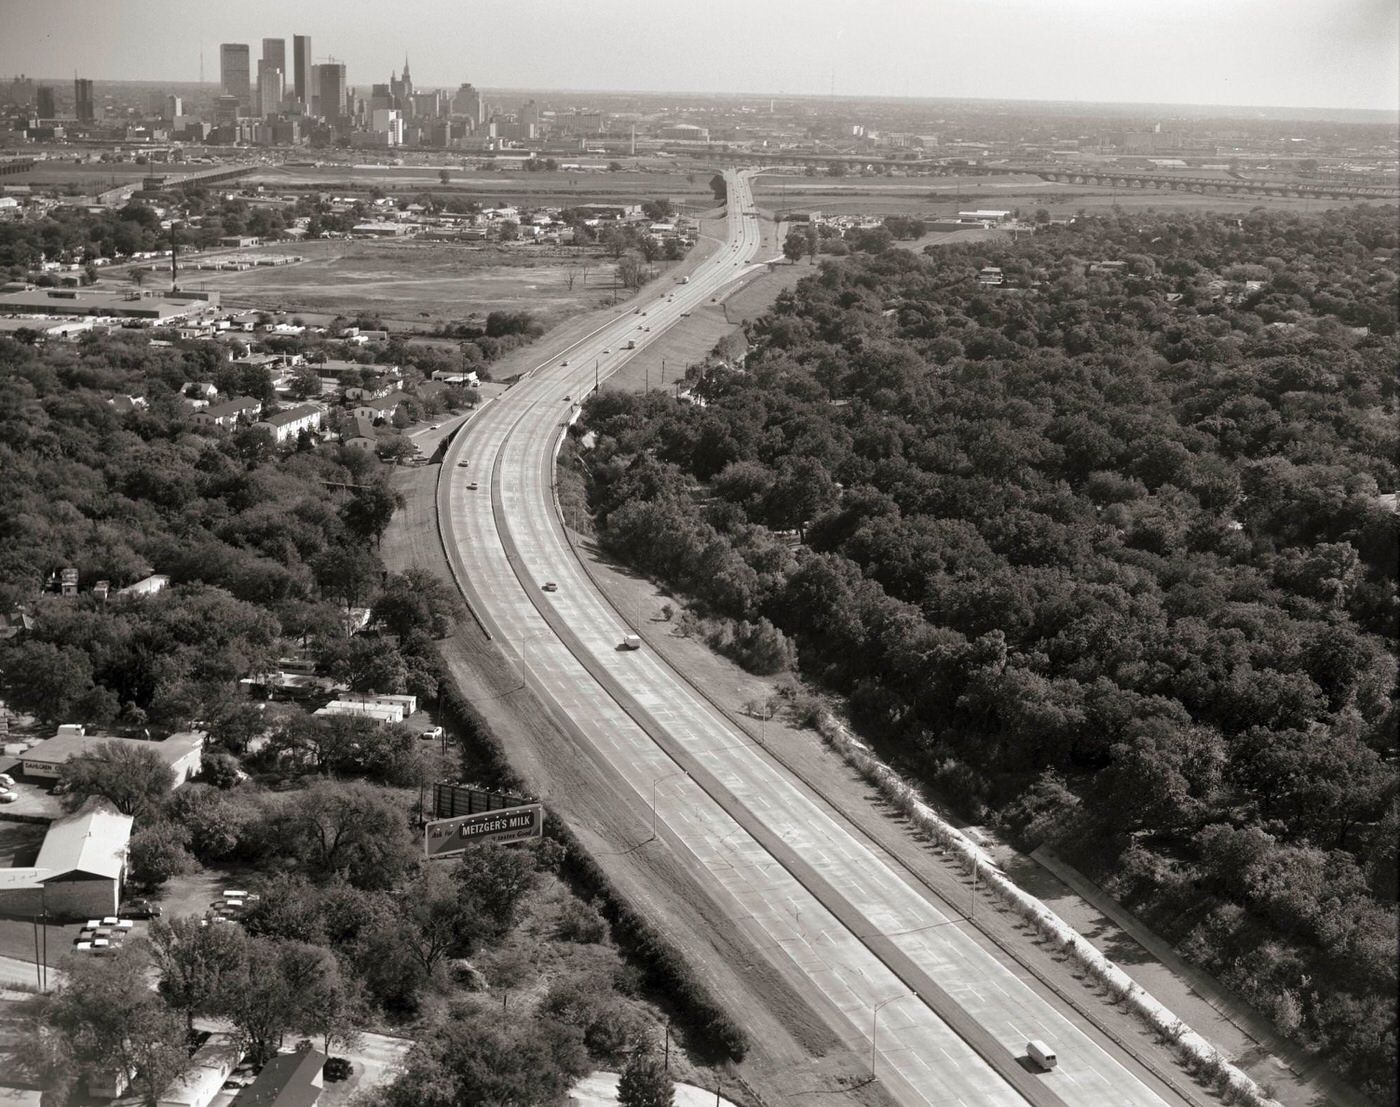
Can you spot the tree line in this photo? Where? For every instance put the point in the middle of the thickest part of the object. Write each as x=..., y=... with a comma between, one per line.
x=1103, y=553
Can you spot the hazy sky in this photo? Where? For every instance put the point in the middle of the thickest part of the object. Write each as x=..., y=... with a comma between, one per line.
x=1303, y=53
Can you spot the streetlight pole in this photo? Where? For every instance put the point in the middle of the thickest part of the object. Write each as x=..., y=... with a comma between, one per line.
x=875, y=1025
x=654, y=783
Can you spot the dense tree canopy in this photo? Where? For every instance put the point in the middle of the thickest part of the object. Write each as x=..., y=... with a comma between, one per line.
x=1104, y=549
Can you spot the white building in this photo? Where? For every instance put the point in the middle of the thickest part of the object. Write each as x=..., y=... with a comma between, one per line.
x=288, y=424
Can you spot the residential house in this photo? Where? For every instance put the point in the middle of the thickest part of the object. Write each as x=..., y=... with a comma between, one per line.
x=288, y=1080
x=289, y=424
x=382, y=408
x=210, y=1066
x=358, y=433
x=229, y=413
x=146, y=586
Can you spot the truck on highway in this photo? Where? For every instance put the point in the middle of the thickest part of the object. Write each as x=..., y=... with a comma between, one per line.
x=1041, y=1054
x=685, y=280
x=631, y=642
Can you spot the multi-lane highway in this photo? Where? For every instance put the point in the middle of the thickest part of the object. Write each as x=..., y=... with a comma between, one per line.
x=883, y=962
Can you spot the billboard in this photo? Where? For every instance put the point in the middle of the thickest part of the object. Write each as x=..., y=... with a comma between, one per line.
x=451, y=800
x=448, y=837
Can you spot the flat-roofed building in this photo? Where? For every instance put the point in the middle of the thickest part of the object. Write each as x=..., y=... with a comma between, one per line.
x=183, y=752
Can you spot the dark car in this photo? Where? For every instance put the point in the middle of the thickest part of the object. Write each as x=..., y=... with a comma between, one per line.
x=336, y=1068
x=139, y=909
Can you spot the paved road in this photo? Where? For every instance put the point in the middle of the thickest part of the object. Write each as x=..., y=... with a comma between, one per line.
x=948, y=1019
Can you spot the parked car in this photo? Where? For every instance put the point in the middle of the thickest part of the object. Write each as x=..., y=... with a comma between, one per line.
x=139, y=909
x=6, y=780
x=8, y=797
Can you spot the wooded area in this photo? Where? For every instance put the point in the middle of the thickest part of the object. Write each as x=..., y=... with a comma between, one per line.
x=1105, y=549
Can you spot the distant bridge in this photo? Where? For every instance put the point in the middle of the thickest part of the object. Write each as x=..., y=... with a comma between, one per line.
x=213, y=175
x=1106, y=176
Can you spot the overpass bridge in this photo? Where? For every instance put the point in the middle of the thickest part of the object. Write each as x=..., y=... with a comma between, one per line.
x=1100, y=176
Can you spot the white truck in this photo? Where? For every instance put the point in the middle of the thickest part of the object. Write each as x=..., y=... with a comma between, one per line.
x=1041, y=1054
x=631, y=642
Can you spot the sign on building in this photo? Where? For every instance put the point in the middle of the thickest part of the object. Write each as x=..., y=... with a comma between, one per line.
x=448, y=837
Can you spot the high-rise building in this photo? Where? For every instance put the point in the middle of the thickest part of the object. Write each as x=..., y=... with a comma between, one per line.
x=269, y=89
x=332, y=82
x=46, y=108
x=174, y=107
x=274, y=55
x=468, y=102
x=234, y=74
x=82, y=100
x=302, y=85
x=226, y=111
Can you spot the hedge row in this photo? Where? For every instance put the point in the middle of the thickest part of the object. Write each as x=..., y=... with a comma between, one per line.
x=664, y=967
x=1202, y=1059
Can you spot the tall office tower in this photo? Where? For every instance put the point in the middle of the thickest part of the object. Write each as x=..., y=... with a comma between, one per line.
x=313, y=90
x=82, y=100
x=269, y=89
x=274, y=55
x=332, y=81
x=302, y=85
x=234, y=74
x=468, y=102
x=174, y=107
x=47, y=109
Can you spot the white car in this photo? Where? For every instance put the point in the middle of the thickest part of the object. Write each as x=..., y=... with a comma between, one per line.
x=6, y=780
x=8, y=797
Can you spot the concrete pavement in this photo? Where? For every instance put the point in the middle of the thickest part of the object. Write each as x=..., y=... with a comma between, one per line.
x=815, y=898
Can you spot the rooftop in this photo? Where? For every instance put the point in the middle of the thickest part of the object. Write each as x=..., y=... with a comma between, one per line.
x=91, y=841
x=285, y=1081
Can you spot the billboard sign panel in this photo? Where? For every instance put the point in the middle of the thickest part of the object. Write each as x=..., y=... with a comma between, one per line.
x=451, y=800
x=448, y=837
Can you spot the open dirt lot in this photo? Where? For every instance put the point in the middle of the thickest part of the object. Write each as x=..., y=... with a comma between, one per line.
x=419, y=282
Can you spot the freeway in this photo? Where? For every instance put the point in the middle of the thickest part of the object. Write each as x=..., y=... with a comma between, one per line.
x=945, y=1020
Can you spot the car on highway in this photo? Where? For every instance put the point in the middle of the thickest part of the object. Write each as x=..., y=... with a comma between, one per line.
x=631, y=642
x=461, y=465
x=550, y=586
x=607, y=349
x=473, y=486
x=563, y=365
x=685, y=315
x=636, y=311
x=436, y=426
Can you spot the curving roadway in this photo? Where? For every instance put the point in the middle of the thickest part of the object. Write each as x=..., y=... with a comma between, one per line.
x=888, y=967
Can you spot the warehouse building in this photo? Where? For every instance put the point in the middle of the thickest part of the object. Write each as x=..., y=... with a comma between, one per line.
x=85, y=856
x=183, y=752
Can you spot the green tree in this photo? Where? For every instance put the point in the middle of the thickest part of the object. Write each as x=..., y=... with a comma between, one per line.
x=158, y=851
x=136, y=780
x=111, y=1022
x=351, y=830
x=644, y=1082
x=795, y=244
x=720, y=187
x=417, y=600
x=195, y=962
x=369, y=509
x=495, y=880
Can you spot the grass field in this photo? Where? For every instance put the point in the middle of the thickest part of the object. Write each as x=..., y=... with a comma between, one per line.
x=929, y=197
x=419, y=283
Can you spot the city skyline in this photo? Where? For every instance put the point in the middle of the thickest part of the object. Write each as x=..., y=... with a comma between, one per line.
x=1315, y=54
